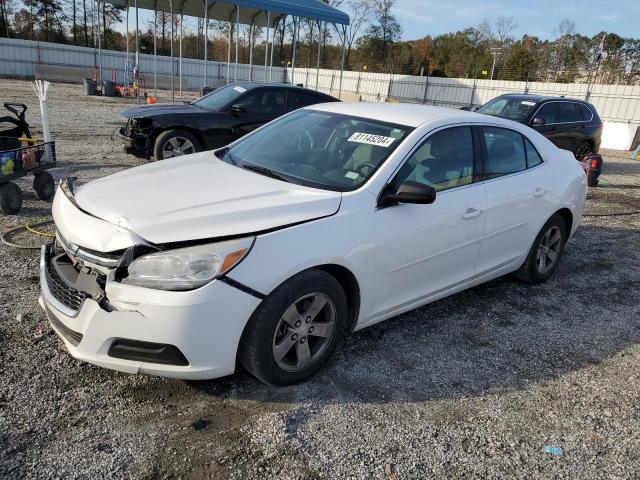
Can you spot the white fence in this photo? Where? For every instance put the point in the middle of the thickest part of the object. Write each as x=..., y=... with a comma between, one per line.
x=615, y=103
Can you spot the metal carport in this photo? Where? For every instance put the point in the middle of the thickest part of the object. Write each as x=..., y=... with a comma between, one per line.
x=255, y=13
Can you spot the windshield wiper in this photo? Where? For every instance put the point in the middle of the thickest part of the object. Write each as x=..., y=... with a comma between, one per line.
x=263, y=171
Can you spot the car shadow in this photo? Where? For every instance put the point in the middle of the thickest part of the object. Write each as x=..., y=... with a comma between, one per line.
x=497, y=336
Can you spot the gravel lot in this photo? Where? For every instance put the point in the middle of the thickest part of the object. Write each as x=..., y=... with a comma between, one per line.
x=476, y=385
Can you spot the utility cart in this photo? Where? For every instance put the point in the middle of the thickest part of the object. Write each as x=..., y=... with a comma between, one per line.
x=21, y=155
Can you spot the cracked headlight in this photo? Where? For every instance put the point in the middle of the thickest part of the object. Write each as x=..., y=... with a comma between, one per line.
x=187, y=268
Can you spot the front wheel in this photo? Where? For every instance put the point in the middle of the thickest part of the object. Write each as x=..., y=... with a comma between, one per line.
x=545, y=253
x=10, y=198
x=295, y=329
x=175, y=143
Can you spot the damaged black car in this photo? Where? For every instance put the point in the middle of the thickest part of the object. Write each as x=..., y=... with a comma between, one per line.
x=212, y=121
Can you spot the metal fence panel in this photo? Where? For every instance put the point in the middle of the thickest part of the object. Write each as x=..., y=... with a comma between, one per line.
x=619, y=103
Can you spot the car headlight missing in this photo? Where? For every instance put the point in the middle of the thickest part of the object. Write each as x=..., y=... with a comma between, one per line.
x=187, y=268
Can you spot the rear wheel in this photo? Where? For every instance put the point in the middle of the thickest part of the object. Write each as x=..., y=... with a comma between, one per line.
x=295, y=329
x=545, y=253
x=174, y=143
x=44, y=186
x=584, y=148
x=10, y=198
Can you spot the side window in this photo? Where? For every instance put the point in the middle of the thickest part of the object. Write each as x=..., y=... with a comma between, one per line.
x=547, y=112
x=267, y=102
x=296, y=100
x=444, y=160
x=567, y=112
x=505, y=152
x=585, y=113
x=533, y=157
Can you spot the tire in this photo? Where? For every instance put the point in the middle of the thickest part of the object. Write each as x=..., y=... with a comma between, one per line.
x=584, y=148
x=169, y=140
x=10, y=198
x=592, y=179
x=44, y=186
x=530, y=271
x=268, y=334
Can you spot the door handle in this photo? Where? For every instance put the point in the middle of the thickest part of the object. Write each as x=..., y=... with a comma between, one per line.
x=538, y=192
x=471, y=212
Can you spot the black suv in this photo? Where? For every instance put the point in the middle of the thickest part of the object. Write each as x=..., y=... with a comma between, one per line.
x=570, y=124
x=212, y=121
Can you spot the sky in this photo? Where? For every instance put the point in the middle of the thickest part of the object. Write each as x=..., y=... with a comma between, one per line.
x=534, y=17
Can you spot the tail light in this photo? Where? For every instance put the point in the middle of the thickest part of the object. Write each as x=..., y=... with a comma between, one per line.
x=594, y=163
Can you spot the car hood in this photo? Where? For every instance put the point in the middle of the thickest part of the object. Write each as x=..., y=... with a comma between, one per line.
x=199, y=196
x=147, y=111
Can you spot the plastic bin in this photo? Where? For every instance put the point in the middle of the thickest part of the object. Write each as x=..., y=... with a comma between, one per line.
x=108, y=88
x=90, y=86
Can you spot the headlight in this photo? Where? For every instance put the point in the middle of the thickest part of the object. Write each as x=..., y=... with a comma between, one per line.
x=187, y=268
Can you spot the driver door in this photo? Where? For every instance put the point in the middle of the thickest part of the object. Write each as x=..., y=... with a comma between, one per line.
x=258, y=108
x=423, y=250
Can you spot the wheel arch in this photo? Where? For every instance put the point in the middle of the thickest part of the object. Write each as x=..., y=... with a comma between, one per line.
x=567, y=216
x=351, y=287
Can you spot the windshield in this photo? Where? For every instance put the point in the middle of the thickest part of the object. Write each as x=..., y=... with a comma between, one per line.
x=318, y=149
x=511, y=108
x=220, y=97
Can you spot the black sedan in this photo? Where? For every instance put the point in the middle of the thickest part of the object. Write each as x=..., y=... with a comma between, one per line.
x=569, y=123
x=212, y=121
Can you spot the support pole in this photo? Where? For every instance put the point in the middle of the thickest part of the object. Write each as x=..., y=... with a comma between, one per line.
x=273, y=39
x=266, y=46
x=137, y=66
x=180, y=52
x=318, y=59
x=235, y=74
x=99, y=44
x=205, y=33
x=251, y=27
x=155, y=49
x=229, y=49
x=171, y=52
x=293, y=53
x=344, y=36
x=126, y=37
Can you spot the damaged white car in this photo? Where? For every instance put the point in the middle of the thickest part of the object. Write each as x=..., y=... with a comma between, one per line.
x=325, y=221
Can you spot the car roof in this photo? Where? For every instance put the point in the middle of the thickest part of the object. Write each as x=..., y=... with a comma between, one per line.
x=538, y=98
x=255, y=85
x=411, y=115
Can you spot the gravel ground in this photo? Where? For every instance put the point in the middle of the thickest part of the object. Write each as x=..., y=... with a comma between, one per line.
x=476, y=385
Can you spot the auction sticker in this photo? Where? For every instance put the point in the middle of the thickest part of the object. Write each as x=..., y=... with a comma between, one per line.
x=379, y=140
x=528, y=103
x=240, y=89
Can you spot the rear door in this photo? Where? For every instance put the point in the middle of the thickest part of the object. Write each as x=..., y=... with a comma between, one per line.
x=299, y=99
x=518, y=199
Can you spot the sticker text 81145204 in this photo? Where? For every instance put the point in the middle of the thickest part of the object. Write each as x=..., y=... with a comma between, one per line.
x=370, y=139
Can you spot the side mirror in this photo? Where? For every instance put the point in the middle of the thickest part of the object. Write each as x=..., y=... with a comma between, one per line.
x=538, y=121
x=237, y=109
x=409, y=192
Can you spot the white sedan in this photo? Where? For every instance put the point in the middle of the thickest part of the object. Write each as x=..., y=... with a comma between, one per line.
x=325, y=221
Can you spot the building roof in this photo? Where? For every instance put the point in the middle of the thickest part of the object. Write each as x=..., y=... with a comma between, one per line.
x=250, y=10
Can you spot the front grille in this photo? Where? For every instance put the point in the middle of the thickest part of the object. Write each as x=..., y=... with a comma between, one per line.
x=68, y=296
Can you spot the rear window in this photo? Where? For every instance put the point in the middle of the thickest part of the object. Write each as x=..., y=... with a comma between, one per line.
x=505, y=107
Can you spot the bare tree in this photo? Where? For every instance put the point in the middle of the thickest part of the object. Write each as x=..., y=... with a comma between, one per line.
x=504, y=27
x=360, y=16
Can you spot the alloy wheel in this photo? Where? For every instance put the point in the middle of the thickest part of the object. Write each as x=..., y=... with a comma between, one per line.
x=583, y=149
x=304, y=332
x=177, y=146
x=549, y=250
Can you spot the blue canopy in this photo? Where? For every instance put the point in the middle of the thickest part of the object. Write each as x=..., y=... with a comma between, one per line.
x=251, y=11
